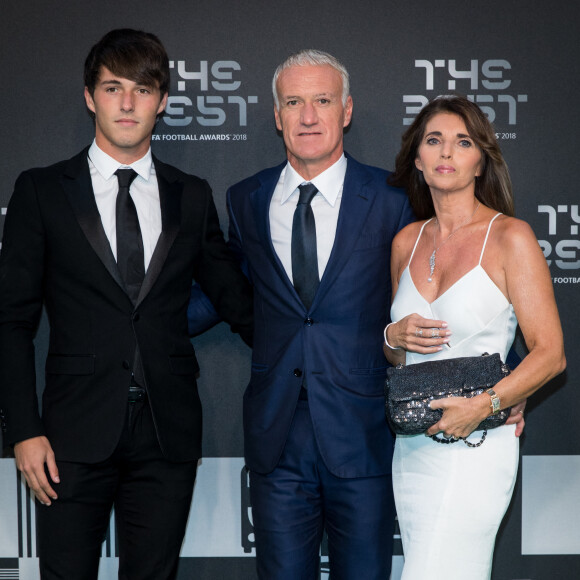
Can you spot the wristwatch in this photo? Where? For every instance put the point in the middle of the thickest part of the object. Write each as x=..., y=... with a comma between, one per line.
x=495, y=403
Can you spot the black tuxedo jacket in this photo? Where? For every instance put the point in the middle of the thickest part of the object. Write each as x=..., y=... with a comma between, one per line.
x=55, y=251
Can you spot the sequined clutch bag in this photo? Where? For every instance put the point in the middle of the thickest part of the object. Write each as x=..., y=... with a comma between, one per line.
x=409, y=390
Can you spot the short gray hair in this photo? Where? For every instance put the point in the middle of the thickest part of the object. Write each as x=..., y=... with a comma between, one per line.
x=314, y=58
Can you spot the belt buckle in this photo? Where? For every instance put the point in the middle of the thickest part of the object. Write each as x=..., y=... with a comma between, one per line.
x=135, y=394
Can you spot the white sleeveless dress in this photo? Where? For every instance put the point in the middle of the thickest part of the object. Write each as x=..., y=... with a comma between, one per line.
x=451, y=498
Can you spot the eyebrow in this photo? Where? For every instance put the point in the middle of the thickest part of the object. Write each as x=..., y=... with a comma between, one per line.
x=117, y=83
x=316, y=96
x=439, y=134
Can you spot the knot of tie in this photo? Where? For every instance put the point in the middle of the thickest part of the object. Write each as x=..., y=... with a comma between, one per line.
x=307, y=193
x=125, y=177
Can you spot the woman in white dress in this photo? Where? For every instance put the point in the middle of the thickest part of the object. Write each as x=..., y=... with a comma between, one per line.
x=463, y=278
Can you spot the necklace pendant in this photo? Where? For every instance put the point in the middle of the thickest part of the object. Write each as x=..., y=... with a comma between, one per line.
x=431, y=266
x=432, y=258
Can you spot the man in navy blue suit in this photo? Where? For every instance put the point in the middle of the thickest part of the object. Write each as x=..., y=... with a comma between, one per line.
x=314, y=236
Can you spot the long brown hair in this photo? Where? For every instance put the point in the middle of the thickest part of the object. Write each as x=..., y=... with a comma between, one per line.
x=493, y=187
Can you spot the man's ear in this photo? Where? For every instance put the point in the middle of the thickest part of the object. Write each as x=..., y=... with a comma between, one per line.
x=89, y=100
x=278, y=120
x=347, y=112
x=162, y=103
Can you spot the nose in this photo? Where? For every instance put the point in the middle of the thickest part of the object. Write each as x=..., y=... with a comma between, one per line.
x=446, y=150
x=127, y=102
x=309, y=115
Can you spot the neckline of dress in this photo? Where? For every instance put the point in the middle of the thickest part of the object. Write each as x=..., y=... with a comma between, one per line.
x=476, y=267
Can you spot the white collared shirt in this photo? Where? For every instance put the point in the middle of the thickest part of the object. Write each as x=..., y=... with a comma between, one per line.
x=325, y=207
x=144, y=192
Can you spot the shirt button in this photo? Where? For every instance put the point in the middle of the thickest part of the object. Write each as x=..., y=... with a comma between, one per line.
x=309, y=321
x=135, y=316
x=297, y=373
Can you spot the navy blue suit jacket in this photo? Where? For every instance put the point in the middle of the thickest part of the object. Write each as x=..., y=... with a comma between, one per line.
x=336, y=346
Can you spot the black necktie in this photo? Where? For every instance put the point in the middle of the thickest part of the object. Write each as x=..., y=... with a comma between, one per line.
x=304, y=254
x=130, y=256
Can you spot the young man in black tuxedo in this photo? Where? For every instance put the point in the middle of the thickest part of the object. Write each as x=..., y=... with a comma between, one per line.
x=110, y=241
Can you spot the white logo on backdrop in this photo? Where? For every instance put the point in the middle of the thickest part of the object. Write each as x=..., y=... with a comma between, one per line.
x=483, y=82
x=562, y=246
x=208, y=96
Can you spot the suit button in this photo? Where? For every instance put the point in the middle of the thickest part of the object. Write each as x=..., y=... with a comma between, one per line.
x=126, y=365
x=297, y=373
x=135, y=316
x=309, y=321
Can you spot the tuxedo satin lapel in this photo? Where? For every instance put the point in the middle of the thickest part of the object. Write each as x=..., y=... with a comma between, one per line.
x=260, y=200
x=76, y=182
x=357, y=200
x=170, y=202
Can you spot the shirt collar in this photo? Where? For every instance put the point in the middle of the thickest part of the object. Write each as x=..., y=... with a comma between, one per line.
x=107, y=166
x=328, y=183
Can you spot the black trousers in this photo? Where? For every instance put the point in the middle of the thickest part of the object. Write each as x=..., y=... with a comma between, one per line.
x=151, y=496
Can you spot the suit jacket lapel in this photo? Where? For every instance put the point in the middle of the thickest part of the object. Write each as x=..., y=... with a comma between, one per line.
x=260, y=200
x=78, y=187
x=170, y=201
x=357, y=199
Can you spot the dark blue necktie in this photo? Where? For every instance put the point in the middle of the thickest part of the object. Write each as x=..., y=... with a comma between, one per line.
x=304, y=254
x=130, y=255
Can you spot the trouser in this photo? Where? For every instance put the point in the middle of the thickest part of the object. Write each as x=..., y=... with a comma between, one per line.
x=151, y=496
x=292, y=505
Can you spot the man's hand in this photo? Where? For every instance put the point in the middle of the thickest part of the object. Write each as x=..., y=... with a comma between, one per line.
x=31, y=455
x=517, y=417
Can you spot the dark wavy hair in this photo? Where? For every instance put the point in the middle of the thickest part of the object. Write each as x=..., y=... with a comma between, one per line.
x=493, y=187
x=132, y=54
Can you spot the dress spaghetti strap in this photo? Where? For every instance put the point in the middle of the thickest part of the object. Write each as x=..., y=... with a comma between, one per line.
x=486, y=236
x=417, y=241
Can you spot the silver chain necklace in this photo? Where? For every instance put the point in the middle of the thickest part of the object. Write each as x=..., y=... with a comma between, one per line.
x=432, y=257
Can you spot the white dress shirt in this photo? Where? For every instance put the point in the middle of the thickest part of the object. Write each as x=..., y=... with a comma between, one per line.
x=144, y=192
x=325, y=207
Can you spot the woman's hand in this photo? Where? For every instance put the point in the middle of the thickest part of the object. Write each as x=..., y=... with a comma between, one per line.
x=517, y=417
x=417, y=334
x=461, y=416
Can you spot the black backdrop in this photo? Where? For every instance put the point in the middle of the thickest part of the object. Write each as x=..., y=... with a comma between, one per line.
x=518, y=59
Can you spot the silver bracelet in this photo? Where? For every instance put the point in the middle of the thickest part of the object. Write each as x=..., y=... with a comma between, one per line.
x=386, y=341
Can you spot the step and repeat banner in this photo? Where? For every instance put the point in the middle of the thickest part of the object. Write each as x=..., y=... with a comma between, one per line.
x=517, y=60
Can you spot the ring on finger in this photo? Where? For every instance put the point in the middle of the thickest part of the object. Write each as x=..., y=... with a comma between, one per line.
x=435, y=333
x=419, y=331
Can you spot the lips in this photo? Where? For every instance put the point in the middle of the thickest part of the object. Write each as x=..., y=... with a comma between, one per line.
x=445, y=169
